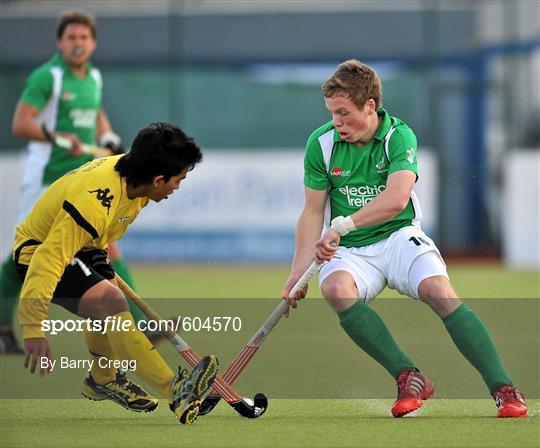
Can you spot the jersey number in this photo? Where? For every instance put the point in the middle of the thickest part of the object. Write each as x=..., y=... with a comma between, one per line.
x=418, y=241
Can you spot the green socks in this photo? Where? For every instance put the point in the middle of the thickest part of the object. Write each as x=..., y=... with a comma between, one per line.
x=368, y=331
x=121, y=268
x=474, y=342
x=10, y=287
x=365, y=327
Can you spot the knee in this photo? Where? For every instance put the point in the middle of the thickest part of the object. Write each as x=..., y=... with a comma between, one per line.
x=338, y=290
x=437, y=287
x=339, y=295
x=438, y=293
x=102, y=300
x=113, y=302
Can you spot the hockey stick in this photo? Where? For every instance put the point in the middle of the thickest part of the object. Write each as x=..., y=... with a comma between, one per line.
x=65, y=143
x=96, y=151
x=253, y=345
x=240, y=405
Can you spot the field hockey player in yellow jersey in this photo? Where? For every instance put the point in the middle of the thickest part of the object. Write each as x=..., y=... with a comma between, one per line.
x=60, y=253
x=61, y=100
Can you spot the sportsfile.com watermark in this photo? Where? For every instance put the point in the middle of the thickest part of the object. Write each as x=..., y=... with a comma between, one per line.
x=112, y=323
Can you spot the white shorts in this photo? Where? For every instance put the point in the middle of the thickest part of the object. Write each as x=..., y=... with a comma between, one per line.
x=396, y=261
x=30, y=193
x=32, y=187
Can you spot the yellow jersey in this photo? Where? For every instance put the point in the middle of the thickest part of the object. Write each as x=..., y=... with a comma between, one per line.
x=85, y=209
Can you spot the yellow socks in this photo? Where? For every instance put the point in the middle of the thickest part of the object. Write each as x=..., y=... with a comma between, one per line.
x=130, y=344
x=100, y=348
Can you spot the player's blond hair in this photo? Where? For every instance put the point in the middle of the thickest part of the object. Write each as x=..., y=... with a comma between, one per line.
x=75, y=16
x=357, y=81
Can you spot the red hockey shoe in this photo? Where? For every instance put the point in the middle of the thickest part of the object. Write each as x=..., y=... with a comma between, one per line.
x=413, y=387
x=510, y=402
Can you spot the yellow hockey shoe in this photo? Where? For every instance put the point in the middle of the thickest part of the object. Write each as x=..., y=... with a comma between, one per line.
x=188, y=391
x=122, y=391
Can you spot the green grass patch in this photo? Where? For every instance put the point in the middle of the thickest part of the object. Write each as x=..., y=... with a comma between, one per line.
x=288, y=423
x=305, y=366
x=471, y=280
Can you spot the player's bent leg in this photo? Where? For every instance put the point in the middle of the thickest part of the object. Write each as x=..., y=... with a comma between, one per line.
x=365, y=327
x=128, y=343
x=104, y=300
x=104, y=381
x=473, y=341
x=427, y=280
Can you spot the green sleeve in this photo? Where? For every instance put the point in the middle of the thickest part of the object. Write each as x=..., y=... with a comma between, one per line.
x=315, y=173
x=38, y=88
x=402, y=151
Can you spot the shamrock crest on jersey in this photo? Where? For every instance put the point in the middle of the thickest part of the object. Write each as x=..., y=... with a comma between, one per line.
x=381, y=166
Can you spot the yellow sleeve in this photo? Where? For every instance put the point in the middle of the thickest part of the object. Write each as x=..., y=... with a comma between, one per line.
x=69, y=233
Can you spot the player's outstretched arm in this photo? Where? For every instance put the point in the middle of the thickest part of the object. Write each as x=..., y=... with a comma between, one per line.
x=24, y=126
x=308, y=230
x=65, y=239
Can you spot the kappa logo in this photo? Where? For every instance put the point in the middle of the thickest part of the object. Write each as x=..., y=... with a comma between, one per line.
x=411, y=155
x=103, y=197
x=340, y=172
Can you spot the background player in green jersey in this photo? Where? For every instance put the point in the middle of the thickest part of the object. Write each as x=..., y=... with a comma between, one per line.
x=360, y=169
x=63, y=96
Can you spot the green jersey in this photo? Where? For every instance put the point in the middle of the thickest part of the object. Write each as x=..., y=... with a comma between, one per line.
x=66, y=104
x=353, y=176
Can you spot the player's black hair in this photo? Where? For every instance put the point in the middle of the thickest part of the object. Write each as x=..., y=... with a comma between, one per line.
x=159, y=149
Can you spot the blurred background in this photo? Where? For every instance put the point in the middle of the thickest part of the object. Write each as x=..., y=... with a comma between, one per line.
x=244, y=77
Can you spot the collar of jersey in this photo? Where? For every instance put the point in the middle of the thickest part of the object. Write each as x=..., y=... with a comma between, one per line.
x=381, y=132
x=59, y=60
